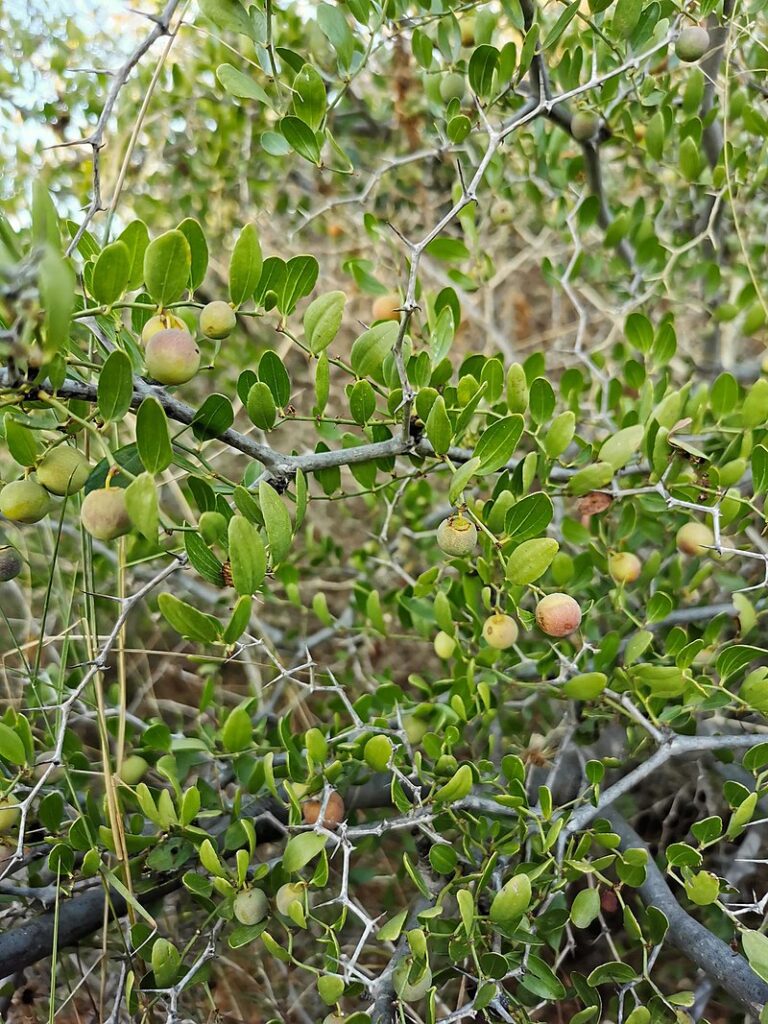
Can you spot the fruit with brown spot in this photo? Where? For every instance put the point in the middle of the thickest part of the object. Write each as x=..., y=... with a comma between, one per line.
x=558, y=615
x=335, y=811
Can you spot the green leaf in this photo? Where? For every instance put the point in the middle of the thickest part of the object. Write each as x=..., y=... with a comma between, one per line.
x=57, y=293
x=614, y=970
x=301, y=849
x=301, y=138
x=529, y=516
x=585, y=908
x=272, y=371
x=115, y=386
x=45, y=219
x=237, y=731
x=760, y=469
x=213, y=418
x=167, y=263
x=625, y=17
x=724, y=396
x=135, y=237
x=141, y=502
x=152, y=437
x=461, y=478
x=309, y=100
x=756, y=951
x=198, y=248
x=21, y=441
x=111, y=273
x=188, y=620
x=238, y=84
x=238, y=623
x=245, y=265
x=498, y=443
x=736, y=657
x=261, y=406
x=438, y=427
x=621, y=446
x=300, y=278
x=202, y=559
x=562, y=23
x=11, y=745
x=276, y=521
x=371, y=348
x=322, y=320
x=228, y=15
x=247, y=556
x=530, y=560
x=482, y=65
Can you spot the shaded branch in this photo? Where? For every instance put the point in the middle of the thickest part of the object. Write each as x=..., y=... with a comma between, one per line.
x=727, y=967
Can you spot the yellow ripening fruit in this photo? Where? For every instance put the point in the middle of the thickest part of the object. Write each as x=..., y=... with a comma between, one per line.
x=456, y=535
x=334, y=811
x=104, y=513
x=10, y=563
x=694, y=539
x=63, y=470
x=217, y=320
x=500, y=631
x=9, y=813
x=161, y=322
x=692, y=44
x=24, y=501
x=624, y=567
x=172, y=356
x=444, y=645
x=558, y=615
x=386, y=307
x=584, y=125
x=250, y=906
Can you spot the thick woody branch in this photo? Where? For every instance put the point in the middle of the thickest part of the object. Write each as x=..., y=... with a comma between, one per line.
x=727, y=967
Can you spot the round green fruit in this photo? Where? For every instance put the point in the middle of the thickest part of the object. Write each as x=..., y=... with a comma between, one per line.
x=217, y=320
x=502, y=212
x=172, y=357
x=456, y=535
x=133, y=769
x=24, y=501
x=10, y=564
x=624, y=567
x=500, y=631
x=161, y=322
x=250, y=906
x=9, y=813
x=558, y=615
x=694, y=539
x=512, y=900
x=584, y=125
x=104, y=513
x=452, y=87
x=63, y=470
x=692, y=44
x=288, y=894
x=378, y=752
x=444, y=645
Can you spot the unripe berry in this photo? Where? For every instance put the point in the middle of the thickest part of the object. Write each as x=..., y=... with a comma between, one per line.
x=558, y=615
x=624, y=567
x=9, y=813
x=456, y=535
x=63, y=470
x=378, y=752
x=162, y=322
x=287, y=894
x=24, y=501
x=385, y=307
x=444, y=645
x=694, y=539
x=133, y=769
x=500, y=631
x=10, y=564
x=692, y=44
x=414, y=728
x=217, y=320
x=172, y=357
x=452, y=86
x=250, y=906
x=584, y=125
x=502, y=212
x=334, y=811
x=104, y=513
